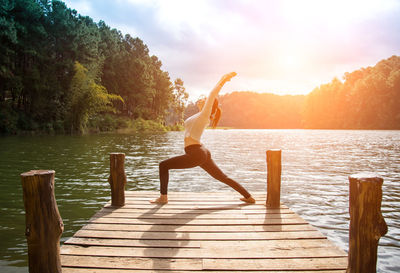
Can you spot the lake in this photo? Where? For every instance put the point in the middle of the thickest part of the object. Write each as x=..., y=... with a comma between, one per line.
x=315, y=169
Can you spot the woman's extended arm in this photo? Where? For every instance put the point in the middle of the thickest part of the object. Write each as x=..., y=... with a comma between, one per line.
x=214, y=93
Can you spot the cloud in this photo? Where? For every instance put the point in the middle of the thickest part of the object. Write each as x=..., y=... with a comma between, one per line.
x=276, y=46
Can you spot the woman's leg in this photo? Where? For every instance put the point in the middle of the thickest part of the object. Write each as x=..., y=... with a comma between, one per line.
x=210, y=167
x=185, y=161
x=193, y=157
x=177, y=162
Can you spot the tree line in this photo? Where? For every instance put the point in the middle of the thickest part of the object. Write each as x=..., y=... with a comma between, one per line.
x=62, y=72
x=367, y=98
x=254, y=110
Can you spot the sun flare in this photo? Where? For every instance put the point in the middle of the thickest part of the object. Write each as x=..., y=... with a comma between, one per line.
x=289, y=62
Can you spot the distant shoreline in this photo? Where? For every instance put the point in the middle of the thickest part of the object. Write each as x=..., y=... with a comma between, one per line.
x=130, y=131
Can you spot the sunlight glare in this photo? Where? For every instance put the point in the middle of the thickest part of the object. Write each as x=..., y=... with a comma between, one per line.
x=333, y=13
x=289, y=62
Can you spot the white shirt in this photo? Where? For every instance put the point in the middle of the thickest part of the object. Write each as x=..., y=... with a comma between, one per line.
x=195, y=125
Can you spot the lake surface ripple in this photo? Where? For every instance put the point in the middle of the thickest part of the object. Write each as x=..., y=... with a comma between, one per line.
x=315, y=169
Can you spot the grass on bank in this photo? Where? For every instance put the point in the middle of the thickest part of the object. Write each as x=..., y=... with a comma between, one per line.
x=20, y=124
x=111, y=123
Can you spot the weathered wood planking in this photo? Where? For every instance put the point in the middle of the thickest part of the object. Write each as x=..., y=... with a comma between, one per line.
x=198, y=232
x=99, y=270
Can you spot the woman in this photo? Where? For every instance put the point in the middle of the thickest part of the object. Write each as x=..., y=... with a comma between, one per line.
x=195, y=153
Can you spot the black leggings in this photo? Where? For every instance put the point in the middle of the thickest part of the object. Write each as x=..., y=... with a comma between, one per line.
x=196, y=155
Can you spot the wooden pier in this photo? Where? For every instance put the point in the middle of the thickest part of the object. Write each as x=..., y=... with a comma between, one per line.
x=198, y=232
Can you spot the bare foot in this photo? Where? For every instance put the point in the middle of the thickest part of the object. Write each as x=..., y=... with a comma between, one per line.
x=249, y=200
x=163, y=199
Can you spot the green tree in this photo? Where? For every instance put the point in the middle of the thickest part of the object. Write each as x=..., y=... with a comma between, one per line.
x=8, y=41
x=162, y=90
x=178, y=104
x=180, y=97
x=39, y=81
x=367, y=99
x=86, y=98
x=111, y=48
x=135, y=78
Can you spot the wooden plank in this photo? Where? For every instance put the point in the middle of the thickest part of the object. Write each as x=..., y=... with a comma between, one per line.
x=99, y=270
x=199, y=235
x=246, y=252
x=238, y=202
x=132, y=242
x=276, y=264
x=194, y=201
x=191, y=215
x=129, y=263
x=261, y=244
x=109, y=270
x=196, y=206
x=214, y=210
x=199, y=222
x=165, y=209
x=186, y=228
x=284, y=243
x=198, y=232
x=194, y=194
x=210, y=253
x=204, y=264
x=196, y=197
x=271, y=216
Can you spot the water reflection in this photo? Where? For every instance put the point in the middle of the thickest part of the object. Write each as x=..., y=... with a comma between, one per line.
x=315, y=168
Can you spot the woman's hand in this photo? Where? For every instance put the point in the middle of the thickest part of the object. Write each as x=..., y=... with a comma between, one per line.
x=217, y=88
x=227, y=77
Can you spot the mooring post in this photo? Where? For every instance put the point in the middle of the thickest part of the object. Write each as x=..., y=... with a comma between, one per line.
x=366, y=222
x=274, y=170
x=117, y=179
x=44, y=225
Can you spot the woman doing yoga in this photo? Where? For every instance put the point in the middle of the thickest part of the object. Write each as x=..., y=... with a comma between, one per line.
x=195, y=152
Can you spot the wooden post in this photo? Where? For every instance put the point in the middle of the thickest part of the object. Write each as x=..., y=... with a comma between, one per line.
x=273, y=178
x=366, y=222
x=117, y=179
x=44, y=225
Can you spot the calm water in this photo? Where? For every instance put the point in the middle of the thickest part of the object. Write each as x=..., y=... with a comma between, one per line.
x=316, y=164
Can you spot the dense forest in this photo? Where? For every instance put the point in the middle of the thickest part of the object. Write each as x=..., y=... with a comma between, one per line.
x=61, y=72
x=368, y=98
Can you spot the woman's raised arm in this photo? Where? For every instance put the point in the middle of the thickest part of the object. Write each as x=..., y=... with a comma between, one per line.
x=214, y=93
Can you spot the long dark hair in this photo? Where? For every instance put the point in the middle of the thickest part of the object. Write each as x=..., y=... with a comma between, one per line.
x=216, y=111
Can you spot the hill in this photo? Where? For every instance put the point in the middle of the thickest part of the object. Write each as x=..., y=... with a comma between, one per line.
x=255, y=110
x=367, y=98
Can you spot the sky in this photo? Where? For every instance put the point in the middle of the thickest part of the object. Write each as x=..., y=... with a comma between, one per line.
x=282, y=47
